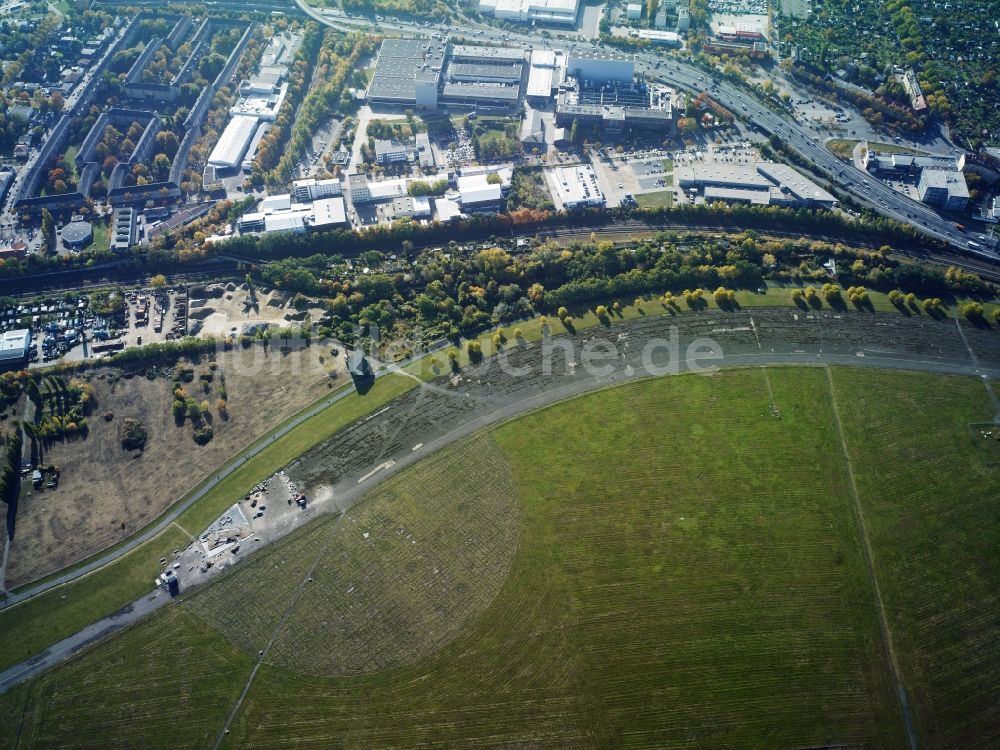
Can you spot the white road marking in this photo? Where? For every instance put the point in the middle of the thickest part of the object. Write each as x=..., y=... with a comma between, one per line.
x=376, y=470
x=380, y=411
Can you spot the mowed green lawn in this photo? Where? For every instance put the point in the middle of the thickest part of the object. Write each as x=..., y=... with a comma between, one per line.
x=933, y=511
x=163, y=684
x=688, y=573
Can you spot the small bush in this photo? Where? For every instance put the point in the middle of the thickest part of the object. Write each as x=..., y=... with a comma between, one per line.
x=475, y=350
x=204, y=435
x=133, y=435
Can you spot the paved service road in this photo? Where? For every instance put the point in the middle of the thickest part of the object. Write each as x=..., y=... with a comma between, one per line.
x=338, y=473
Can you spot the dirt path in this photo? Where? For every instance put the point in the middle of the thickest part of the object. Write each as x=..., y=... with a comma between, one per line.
x=904, y=704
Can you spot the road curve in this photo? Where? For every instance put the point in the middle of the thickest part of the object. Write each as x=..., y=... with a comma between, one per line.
x=444, y=411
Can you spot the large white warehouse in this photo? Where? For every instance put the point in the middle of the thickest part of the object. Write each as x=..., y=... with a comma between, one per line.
x=526, y=11
x=233, y=143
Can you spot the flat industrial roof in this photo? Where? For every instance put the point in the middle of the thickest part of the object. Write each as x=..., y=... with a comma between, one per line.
x=756, y=197
x=400, y=62
x=233, y=142
x=511, y=71
x=481, y=91
x=577, y=184
x=540, y=81
x=487, y=53
x=14, y=344
x=329, y=211
x=478, y=189
x=762, y=176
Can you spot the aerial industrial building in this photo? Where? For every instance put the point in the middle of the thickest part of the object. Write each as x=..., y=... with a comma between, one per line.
x=278, y=213
x=407, y=73
x=939, y=178
x=611, y=67
x=477, y=193
x=233, y=143
x=312, y=189
x=532, y=11
x=909, y=165
x=14, y=347
x=425, y=74
x=545, y=72
x=761, y=184
x=576, y=187
x=943, y=188
x=388, y=151
x=600, y=92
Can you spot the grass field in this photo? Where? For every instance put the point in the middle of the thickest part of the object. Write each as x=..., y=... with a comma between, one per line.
x=392, y=581
x=934, y=525
x=39, y=622
x=658, y=199
x=161, y=685
x=102, y=236
x=688, y=573
x=702, y=576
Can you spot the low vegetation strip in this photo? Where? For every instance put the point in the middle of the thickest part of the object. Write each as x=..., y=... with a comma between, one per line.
x=56, y=614
x=400, y=575
x=37, y=623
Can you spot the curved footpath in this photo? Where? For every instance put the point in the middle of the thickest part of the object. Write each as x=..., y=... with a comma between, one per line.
x=339, y=472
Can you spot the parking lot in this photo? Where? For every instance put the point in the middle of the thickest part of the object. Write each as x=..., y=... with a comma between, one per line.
x=70, y=329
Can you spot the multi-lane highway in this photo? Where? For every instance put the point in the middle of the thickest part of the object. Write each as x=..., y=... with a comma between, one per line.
x=864, y=188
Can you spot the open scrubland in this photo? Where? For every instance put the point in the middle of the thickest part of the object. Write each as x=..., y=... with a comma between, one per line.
x=107, y=493
x=31, y=626
x=688, y=571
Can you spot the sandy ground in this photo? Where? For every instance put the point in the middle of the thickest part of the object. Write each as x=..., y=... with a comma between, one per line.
x=107, y=493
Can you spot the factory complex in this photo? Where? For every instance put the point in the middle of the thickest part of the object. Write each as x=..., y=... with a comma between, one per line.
x=939, y=180
x=595, y=90
x=760, y=184
x=562, y=12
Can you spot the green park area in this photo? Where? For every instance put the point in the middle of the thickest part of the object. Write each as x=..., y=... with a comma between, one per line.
x=657, y=199
x=690, y=573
